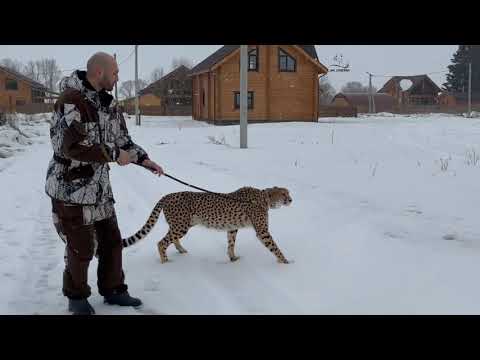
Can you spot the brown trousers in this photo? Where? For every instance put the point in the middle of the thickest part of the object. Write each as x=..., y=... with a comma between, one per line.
x=80, y=249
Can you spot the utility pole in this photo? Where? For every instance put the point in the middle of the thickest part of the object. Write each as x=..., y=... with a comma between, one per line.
x=370, y=102
x=470, y=89
x=137, y=113
x=116, y=93
x=373, y=97
x=243, y=95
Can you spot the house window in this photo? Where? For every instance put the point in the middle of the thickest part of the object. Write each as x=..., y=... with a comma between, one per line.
x=37, y=96
x=253, y=60
x=286, y=63
x=237, y=99
x=11, y=84
x=19, y=102
x=203, y=97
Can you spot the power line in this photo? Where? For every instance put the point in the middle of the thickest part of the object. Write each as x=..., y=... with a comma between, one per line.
x=128, y=57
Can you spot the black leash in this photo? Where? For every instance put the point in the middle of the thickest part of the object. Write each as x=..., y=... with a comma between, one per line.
x=67, y=162
x=207, y=191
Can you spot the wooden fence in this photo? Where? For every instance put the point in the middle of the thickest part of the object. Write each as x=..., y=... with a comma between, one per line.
x=183, y=110
x=336, y=111
x=34, y=108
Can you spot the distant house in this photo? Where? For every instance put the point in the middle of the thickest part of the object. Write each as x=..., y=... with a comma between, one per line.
x=169, y=96
x=422, y=92
x=282, y=84
x=18, y=91
x=359, y=101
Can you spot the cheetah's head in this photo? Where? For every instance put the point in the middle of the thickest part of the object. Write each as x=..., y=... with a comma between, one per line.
x=278, y=197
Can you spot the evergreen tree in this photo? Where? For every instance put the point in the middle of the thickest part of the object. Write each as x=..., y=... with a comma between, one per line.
x=457, y=78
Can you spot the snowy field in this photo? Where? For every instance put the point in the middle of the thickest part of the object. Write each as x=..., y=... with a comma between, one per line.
x=383, y=220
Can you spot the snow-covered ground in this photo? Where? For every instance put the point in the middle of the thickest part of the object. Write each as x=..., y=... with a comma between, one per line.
x=383, y=220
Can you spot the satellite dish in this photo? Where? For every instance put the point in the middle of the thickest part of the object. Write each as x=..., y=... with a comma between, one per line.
x=406, y=84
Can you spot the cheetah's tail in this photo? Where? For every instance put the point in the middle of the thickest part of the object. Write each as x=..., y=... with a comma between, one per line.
x=143, y=232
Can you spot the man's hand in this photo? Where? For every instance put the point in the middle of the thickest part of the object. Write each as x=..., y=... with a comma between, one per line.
x=153, y=167
x=123, y=158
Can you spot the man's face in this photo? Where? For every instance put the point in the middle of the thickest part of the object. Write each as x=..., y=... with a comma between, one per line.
x=109, y=76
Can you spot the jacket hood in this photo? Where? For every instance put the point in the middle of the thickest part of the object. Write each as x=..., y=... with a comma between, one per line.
x=78, y=81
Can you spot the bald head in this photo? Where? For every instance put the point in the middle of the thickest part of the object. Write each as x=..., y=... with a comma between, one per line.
x=99, y=60
x=102, y=71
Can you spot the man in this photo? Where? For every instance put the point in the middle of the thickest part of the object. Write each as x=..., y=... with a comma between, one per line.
x=87, y=133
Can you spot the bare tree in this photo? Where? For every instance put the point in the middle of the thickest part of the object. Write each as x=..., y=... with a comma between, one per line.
x=127, y=88
x=44, y=71
x=356, y=87
x=156, y=74
x=38, y=70
x=30, y=70
x=12, y=64
x=178, y=61
x=142, y=84
x=51, y=73
x=327, y=91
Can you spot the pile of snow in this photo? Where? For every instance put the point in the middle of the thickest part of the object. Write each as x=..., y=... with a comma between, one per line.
x=413, y=115
x=386, y=114
x=475, y=114
x=19, y=131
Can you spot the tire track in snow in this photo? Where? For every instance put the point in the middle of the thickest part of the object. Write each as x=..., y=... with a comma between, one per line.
x=40, y=292
x=36, y=251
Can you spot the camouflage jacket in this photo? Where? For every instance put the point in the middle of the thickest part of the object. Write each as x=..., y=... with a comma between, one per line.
x=87, y=132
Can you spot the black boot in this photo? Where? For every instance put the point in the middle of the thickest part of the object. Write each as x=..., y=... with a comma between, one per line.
x=123, y=299
x=80, y=307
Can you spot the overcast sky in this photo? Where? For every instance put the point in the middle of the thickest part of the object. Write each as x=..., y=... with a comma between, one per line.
x=377, y=59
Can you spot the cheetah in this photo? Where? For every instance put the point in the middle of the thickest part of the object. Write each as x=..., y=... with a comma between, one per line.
x=245, y=207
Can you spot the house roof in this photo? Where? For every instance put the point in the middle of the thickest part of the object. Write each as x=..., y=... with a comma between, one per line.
x=182, y=69
x=415, y=79
x=382, y=101
x=226, y=50
x=24, y=78
x=310, y=50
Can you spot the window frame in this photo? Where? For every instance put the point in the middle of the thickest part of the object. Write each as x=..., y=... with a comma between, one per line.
x=250, y=104
x=287, y=55
x=7, y=80
x=256, y=56
x=257, y=68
